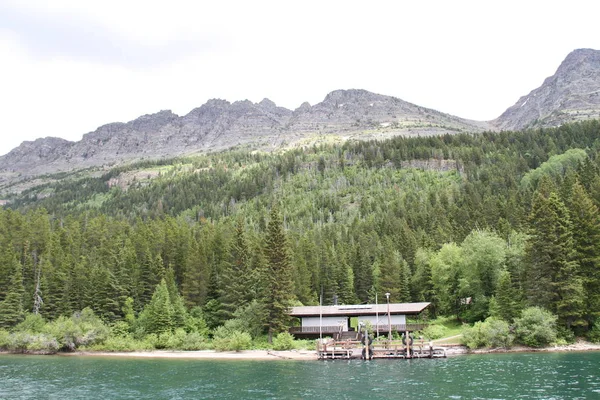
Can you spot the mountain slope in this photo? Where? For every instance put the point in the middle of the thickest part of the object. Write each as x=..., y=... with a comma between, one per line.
x=571, y=94
x=219, y=125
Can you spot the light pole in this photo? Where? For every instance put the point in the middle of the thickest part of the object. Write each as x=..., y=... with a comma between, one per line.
x=387, y=296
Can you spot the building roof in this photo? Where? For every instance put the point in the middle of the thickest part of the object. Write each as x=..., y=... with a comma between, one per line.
x=351, y=310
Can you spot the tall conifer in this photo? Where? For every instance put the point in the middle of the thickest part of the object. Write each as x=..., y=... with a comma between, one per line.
x=279, y=280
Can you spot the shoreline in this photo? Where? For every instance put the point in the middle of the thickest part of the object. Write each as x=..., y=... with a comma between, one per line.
x=580, y=346
x=250, y=355
x=301, y=355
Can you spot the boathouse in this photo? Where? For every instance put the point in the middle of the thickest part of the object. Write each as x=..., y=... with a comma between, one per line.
x=338, y=319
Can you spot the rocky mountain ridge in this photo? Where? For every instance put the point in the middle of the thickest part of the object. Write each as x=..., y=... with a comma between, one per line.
x=219, y=124
x=571, y=94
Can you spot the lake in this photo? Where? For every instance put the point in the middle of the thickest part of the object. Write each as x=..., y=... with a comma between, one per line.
x=499, y=376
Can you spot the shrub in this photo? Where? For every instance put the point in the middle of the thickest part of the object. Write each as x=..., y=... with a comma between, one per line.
x=33, y=323
x=120, y=328
x=497, y=333
x=195, y=341
x=433, y=332
x=240, y=341
x=490, y=333
x=593, y=335
x=24, y=342
x=536, y=327
x=472, y=337
x=231, y=340
x=82, y=329
x=283, y=341
x=4, y=339
x=195, y=322
x=305, y=344
x=65, y=331
x=565, y=335
x=42, y=343
x=122, y=343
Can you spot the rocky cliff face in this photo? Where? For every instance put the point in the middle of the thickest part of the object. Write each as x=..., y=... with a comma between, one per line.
x=571, y=94
x=219, y=125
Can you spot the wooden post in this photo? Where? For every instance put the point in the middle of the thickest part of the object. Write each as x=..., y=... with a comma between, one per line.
x=407, y=335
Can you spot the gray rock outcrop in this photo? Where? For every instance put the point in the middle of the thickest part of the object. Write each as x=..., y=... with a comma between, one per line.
x=219, y=124
x=571, y=94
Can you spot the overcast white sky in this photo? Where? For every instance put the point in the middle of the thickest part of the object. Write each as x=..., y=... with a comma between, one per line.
x=69, y=66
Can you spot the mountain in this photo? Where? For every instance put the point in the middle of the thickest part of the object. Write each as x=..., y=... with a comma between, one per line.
x=219, y=124
x=571, y=94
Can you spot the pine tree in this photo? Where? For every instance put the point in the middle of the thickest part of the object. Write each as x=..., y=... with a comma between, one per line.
x=506, y=298
x=237, y=275
x=158, y=313
x=404, y=289
x=363, y=272
x=279, y=280
x=390, y=270
x=586, y=234
x=11, y=308
x=303, y=276
x=195, y=280
x=554, y=280
x=543, y=252
x=179, y=311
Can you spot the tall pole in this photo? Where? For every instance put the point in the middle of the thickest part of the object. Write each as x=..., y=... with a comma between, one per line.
x=387, y=295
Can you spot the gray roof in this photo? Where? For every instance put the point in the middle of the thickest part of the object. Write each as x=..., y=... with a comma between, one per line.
x=358, y=309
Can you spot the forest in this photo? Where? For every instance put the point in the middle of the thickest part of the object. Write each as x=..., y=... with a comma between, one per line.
x=171, y=252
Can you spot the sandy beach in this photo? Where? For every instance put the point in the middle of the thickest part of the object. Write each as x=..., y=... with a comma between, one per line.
x=308, y=355
x=301, y=355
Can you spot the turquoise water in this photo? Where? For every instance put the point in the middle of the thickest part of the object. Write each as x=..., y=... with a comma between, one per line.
x=504, y=376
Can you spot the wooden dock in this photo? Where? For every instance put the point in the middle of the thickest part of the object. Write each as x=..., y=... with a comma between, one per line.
x=330, y=349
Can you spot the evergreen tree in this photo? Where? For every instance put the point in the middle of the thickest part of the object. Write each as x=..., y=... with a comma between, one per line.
x=157, y=316
x=279, y=280
x=508, y=306
x=179, y=311
x=586, y=234
x=554, y=280
x=363, y=271
x=196, y=277
x=237, y=275
x=391, y=279
x=11, y=308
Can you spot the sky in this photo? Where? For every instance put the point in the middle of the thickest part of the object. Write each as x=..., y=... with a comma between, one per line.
x=70, y=66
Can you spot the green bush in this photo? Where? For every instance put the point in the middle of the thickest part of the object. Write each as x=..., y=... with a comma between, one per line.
x=498, y=333
x=4, y=339
x=304, y=344
x=565, y=335
x=473, y=337
x=24, y=342
x=122, y=343
x=82, y=329
x=490, y=333
x=33, y=323
x=42, y=343
x=433, y=332
x=536, y=327
x=231, y=340
x=283, y=341
x=593, y=335
x=195, y=341
x=240, y=341
x=168, y=340
x=120, y=328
